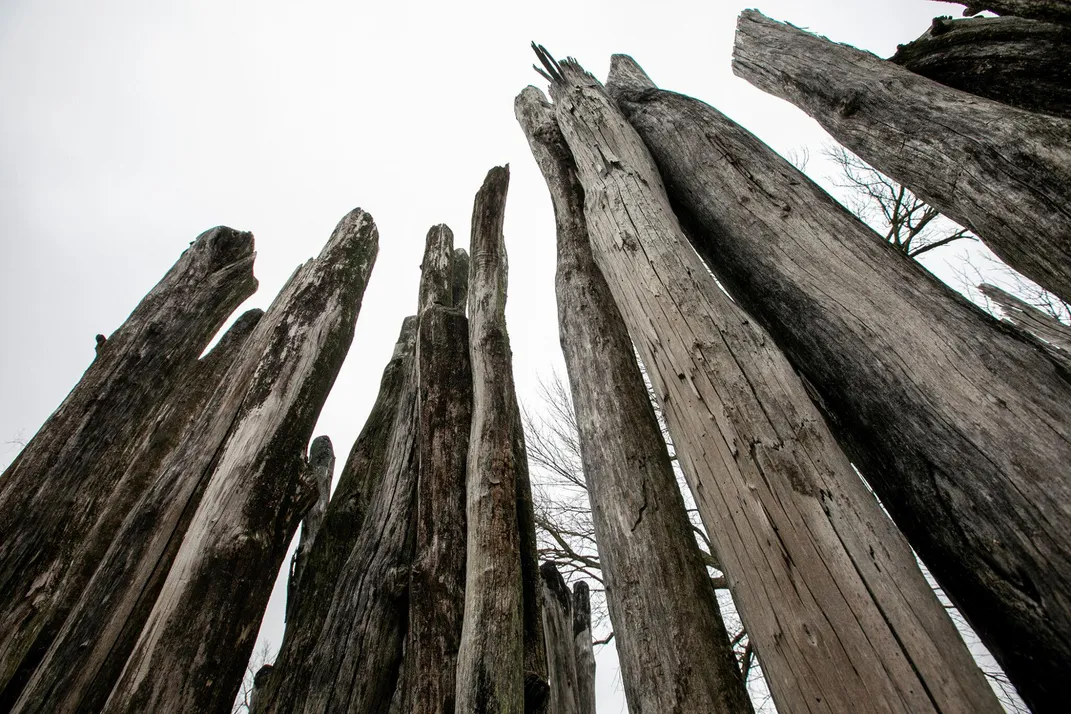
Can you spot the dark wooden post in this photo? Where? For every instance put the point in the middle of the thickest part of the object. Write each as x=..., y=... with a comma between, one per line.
x=1048, y=10
x=1024, y=63
x=674, y=651
x=564, y=697
x=64, y=494
x=814, y=566
x=321, y=468
x=437, y=580
x=950, y=148
x=192, y=652
x=585, y=652
x=963, y=430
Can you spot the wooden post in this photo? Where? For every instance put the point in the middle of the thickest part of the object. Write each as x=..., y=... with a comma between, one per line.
x=1048, y=10
x=491, y=660
x=321, y=468
x=339, y=535
x=950, y=148
x=963, y=430
x=193, y=649
x=814, y=566
x=1027, y=317
x=564, y=697
x=63, y=494
x=582, y=645
x=437, y=579
x=1024, y=63
x=674, y=651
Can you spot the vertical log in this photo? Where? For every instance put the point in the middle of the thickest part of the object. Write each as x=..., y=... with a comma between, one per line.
x=561, y=654
x=950, y=148
x=437, y=579
x=321, y=468
x=346, y=513
x=814, y=566
x=585, y=652
x=963, y=430
x=1024, y=63
x=192, y=652
x=673, y=647
x=53, y=495
x=1048, y=10
x=491, y=659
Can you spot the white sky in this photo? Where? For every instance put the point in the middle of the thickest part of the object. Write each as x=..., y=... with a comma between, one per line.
x=127, y=128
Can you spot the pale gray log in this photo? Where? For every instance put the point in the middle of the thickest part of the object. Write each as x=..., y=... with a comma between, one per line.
x=963, y=430
x=1002, y=172
x=815, y=568
x=64, y=495
x=585, y=652
x=1024, y=63
x=674, y=651
x=193, y=649
x=1027, y=317
x=564, y=697
x=490, y=668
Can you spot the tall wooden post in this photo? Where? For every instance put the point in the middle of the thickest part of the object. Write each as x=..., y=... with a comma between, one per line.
x=674, y=651
x=950, y=148
x=814, y=566
x=64, y=496
x=564, y=697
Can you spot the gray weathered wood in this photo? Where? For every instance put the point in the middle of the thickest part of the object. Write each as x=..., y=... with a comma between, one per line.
x=585, y=652
x=359, y=481
x=63, y=494
x=1047, y=10
x=815, y=568
x=193, y=649
x=322, y=469
x=461, y=278
x=1027, y=317
x=1024, y=63
x=963, y=430
x=671, y=641
x=437, y=579
x=564, y=697
x=490, y=669
x=1003, y=172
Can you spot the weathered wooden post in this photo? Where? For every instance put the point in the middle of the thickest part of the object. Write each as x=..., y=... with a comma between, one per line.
x=1024, y=63
x=564, y=697
x=444, y=413
x=673, y=647
x=950, y=148
x=1027, y=317
x=64, y=496
x=814, y=566
x=495, y=671
x=585, y=652
x=963, y=430
x=192, y=652
x=321, y=468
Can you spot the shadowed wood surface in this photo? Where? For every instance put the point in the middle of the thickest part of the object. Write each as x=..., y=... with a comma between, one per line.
x=1000, y=171
x=321, y=469
x=1050, y=10
x=585, y=652
x=671, y=641
x=563, y=698
x=64, y=493
x=961, y=428
x=814, y=566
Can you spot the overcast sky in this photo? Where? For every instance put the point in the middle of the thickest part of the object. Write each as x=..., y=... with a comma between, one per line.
x=127, y=128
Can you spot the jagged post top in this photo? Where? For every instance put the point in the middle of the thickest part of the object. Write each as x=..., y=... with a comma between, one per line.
x=437, y=269
x=561, y=73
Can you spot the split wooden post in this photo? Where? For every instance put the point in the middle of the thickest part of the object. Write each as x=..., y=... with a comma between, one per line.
x=814, y=566
x=674, y=651
x=950, y=148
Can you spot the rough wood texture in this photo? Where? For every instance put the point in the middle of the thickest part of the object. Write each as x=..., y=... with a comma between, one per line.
x=193, y=649
x=585, y=652
x=564, y=697
x=1024, y=63
x=671, y=641
x=1003, y=172
x=490, y=669
x=963, y=430
x=359, y=481
x=53, y=494
x=1027, y=317
x=321, y=469
x=815, y=568
x=437, y=579
x=1048, y=10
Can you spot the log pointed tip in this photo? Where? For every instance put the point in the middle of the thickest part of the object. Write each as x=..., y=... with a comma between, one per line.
x=626, y=74
x=321, y=450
